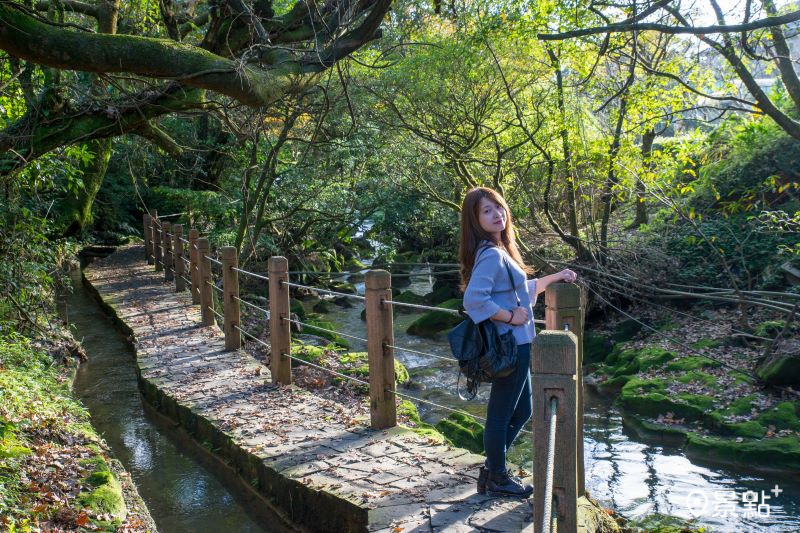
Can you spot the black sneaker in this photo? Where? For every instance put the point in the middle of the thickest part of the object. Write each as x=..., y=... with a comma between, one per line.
x=506, y=485
x=483, y=476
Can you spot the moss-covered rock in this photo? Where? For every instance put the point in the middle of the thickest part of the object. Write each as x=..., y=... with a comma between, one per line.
x=626, y=330
x=322, y=307
x=440, y=294
x=660, y=523
x=693, y=362
x=409, y=410
x=434, y=322
x=318, y=326
x=649, y=397
x=296, y=307
x=596, y=348
x=632, y=361
x=463, y=431
x=782, y=416
x=782, y=452
x=780, y=369
x=104, y=494
x=408, y=297
x=357, y=365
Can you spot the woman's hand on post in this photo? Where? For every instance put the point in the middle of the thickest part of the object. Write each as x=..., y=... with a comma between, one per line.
x=567, y=275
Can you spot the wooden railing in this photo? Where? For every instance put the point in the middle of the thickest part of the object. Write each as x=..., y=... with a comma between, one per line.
x=555, y=362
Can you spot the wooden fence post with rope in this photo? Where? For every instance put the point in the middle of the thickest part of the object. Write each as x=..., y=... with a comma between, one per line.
x=380, y=338
x=180, y=266
x=279, y=326
x=166, y=232
x=194, y=267
x=204, y=279
x=564, y=309
x=157, y=250
x=555, y=419
x=148, y=243
x=230, y=293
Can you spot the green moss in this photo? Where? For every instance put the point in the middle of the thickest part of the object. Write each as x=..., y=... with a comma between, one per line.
x=596, y=348
x=769, y=328
x=100, y=478
x=106, y=497
x=340, y=341
x=750, y=429
x=693, y=362
x=463, y=431
x=782, y=416
x=296, y=307
x=698, y=377
x=659, y=523
x=782, y=451
x=780, y=370
x=632, y=361
x=650, y=398
x=310, y=353
x=322, y=306
x=439, y=295
x=740, y=406
x=358, y=363
x=408, y=409
x=704, y=344
x=434, y=322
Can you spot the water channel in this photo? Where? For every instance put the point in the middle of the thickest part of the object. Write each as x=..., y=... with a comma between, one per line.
x=634, y=478
x=173, y=475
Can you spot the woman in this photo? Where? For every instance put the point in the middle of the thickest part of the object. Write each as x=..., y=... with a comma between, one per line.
x=488, y=244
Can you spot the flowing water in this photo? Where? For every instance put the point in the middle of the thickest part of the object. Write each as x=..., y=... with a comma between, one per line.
x=173, y=476
x=634, y=478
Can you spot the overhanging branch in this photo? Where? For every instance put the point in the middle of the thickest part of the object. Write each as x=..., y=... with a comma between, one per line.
x=622, y=27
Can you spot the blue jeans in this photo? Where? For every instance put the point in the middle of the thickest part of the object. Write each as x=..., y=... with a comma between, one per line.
x=509, y=408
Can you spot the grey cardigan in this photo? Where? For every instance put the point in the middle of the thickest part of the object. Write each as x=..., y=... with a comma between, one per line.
x=489, y=290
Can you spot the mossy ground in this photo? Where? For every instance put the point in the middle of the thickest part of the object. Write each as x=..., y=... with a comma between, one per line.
x=694, y=400
x=54, y=473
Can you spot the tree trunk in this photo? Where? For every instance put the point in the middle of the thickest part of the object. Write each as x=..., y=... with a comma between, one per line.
x=76, y=207
x=648, y=137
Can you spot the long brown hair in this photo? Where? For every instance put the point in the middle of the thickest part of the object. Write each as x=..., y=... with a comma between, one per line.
x=472, y=233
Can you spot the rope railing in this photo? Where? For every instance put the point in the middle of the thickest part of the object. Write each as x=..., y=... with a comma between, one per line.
x=303, y=361
x=325, y=291
x=665, y=336
x=304, y=324
x=409, y=350
x=203, y=280
x=547, y=516
x=250, y=304
x=214, y=286
x=253, y=274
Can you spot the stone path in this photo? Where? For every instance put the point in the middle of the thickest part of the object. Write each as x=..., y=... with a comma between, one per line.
x=297, y=449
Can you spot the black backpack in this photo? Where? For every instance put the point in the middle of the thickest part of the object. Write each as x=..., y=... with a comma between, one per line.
x=483, y=354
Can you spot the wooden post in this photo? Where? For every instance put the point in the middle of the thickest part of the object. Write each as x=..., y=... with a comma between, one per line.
x=564, y=307
x=148, y=244
x=194, y=269
x=157, y=257
x=380, y=334
x=166, y=239
x=151, y=258
x=230, y=293
x=554, y=367
x=180, y=266
x=279, y=326
x=204, y=279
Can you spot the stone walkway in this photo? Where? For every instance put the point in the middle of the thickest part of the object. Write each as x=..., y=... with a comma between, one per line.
x=295, y=448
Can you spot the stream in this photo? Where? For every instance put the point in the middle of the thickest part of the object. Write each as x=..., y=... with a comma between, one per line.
x=171, y=473
x=634, y=478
